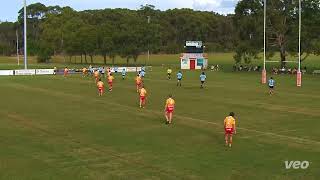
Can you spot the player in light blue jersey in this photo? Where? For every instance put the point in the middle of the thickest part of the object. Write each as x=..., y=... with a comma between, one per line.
x=142, y=74
x=271, y=84
x=203, y=78
x=91, y=70
x=179, y=78
x=103, y=72
x=123, y=73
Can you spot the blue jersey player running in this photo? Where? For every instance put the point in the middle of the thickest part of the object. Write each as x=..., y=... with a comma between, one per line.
x=271, y=84
x=142, y=74
x=203, y=78
x=179, y=78
x=123, y=73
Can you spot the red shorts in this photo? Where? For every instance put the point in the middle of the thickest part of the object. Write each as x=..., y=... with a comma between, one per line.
x=100, y=89
x=170, y=109
x=110, y=83
x=138, y=84
x=228, y=130
x=142, y=98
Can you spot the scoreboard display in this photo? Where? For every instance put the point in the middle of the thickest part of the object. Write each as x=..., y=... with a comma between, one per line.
x=194, y=47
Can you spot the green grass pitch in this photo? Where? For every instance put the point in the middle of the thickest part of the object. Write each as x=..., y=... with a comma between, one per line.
x=58, y=128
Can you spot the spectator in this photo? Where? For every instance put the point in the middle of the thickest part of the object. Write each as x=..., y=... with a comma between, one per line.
x=234, y=67
x=294, y=71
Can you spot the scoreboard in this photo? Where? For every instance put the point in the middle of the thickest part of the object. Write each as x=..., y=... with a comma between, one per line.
x=194, y=47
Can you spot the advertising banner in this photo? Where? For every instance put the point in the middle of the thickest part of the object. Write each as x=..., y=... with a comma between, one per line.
x=6, y=72
x=44, y=71
x=25, y=72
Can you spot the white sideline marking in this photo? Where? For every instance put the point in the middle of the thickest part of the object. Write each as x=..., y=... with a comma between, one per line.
x=253, y=136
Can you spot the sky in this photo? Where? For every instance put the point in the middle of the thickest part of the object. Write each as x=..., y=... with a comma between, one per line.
x=9, y=8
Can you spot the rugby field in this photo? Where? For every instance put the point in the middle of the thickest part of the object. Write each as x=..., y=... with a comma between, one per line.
x=53, y=127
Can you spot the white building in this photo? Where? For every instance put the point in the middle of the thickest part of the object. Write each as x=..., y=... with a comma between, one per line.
x=194, y=57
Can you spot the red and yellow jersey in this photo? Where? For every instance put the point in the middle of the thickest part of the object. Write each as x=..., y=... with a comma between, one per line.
x=138, y=80
x=96, y=74
x=100, y=84
x=110, y=79
x=143, y=92
x=229, y=122
x=170, y=103
x=84, y=70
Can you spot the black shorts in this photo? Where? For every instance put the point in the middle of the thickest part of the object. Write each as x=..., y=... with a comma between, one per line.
x=202, y=82
x=179, y=79
x=271, y=87
x=169, y=74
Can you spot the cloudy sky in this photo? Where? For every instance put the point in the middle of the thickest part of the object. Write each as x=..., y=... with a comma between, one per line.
x=9, y=8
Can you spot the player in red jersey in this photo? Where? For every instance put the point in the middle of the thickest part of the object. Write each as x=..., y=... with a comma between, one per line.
x=169, y=108
x=100, y=86
x=143, y=95
x=110, y=81
x=65, y=72
x=138, y=82
x=229, y=128
x=96, y=75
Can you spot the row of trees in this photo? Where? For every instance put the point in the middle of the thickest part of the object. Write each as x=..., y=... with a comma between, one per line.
x=128, y=33
x=7, y=38
x=282, y=24
x=118, y=32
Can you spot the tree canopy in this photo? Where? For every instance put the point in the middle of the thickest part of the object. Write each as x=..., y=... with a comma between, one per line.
x=281, y=28
x=128, y=33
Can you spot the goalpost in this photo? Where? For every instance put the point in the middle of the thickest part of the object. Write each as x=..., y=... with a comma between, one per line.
x=264, y=71
x=25, y=35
